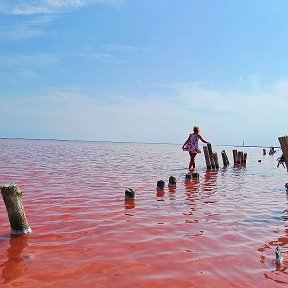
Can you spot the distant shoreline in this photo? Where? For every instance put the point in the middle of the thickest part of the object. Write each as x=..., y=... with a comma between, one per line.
x=132, y=142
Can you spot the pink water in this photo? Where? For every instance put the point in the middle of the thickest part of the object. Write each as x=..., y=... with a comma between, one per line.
x=220, y=231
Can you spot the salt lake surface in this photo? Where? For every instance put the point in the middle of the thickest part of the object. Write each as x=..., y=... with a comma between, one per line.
x=220, y=231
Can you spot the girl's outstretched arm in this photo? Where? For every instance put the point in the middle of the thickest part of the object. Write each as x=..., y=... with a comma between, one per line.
x=204, y=141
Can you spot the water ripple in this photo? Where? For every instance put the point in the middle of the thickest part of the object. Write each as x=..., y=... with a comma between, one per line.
x=218, y=231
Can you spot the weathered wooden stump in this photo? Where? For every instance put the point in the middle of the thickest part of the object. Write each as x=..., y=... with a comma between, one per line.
x=12, y=197
x=224, y=158
x=216, y=162
x=207, y=158
x=272, y=151
x=239, y=157
x=195, y=175
x=172, y=181
x=188, y=177
x=244, y=158
x=129, y=194
x=235, y=153
x=211, y=155
x=160, y=184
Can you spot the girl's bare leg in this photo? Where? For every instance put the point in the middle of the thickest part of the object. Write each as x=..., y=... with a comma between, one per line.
x=192, y=160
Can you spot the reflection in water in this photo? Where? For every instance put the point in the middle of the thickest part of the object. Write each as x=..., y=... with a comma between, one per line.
x=192, y=189
x=129, y=204
x=210, y=180
x=172, y=192
x=160, y=192
x=196, y=198
x=15, y=267
x=206, y=218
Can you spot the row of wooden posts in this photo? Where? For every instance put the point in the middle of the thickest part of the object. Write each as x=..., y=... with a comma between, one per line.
x=12, y=195
x=211, y=157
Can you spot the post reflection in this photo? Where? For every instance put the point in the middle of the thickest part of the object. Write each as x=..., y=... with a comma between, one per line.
x=129, y=204
x=15, y=267
x=195, y=188
x=172, y=192
x=160, y=193
x=191, y=188
x=210, y=181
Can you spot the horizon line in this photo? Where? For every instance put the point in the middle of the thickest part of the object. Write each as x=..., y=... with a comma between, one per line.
x=131, y=142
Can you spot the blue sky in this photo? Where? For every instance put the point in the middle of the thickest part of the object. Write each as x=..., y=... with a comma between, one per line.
x=144, y=70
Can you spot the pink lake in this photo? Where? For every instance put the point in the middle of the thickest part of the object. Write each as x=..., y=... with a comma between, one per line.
x=219, y=231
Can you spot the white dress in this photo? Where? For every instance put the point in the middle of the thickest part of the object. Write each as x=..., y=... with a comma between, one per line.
x=192, y=145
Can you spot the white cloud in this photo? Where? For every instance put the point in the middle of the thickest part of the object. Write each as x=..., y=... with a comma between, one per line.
x=109, y=53
x=73, y=114
x=225, y=117
x=123, y=47
x=37, y=14
x=197, y=96
x=27, y=28
x=41, y=59
x=35, y=60
x=21, y=33
x=32, y=7
x=26, y=65
x=104, y=57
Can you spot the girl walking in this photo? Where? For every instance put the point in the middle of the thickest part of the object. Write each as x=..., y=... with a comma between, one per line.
x=191, y=145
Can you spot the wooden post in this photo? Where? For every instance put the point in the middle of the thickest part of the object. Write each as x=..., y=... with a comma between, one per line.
x=210, y=151
x=215, y=157
x=188, y=177
x=129, y=194
x=284, y=146
x=160, y=184
x=12, y=197
x=272, y=151
x=195, y=175
x=235, y=156
x=244, y=158
x=172, y=181
x=224, y=158
x=207, y=157
x=227, y=160
x=241, y=157
x=238, y=161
